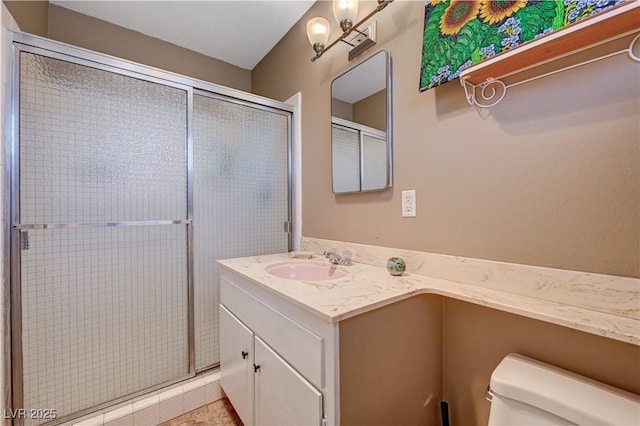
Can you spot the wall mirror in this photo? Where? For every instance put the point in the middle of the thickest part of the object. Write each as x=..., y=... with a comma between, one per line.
x=361, y=142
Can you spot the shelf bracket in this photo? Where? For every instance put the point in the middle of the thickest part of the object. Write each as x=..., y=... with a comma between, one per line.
x=490, y=92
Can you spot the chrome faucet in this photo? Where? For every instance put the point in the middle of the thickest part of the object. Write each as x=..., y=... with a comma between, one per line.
x=337, y=259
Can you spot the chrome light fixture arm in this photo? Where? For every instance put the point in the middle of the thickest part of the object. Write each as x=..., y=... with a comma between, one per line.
x=354, y=28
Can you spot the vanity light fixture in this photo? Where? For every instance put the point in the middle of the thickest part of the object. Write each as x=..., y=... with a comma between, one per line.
x=345, y=12
x=318, y=33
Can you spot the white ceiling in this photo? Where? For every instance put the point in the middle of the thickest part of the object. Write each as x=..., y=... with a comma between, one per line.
x=240, y=32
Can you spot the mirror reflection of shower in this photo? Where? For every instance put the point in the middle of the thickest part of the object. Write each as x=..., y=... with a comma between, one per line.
x=361, y=127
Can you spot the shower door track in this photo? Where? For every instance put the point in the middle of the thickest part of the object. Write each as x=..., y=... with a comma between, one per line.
x=12, y=229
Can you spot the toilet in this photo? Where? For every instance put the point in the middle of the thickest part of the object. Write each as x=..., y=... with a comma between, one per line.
x=524, y=391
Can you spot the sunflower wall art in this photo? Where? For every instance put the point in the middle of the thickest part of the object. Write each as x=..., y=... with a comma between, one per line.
x=458, y=33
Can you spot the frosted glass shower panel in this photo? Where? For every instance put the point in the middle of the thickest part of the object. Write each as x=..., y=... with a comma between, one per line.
x=96, y=146
x=374, y=162
x=241, y=199
x=104, y=314
x=103, y=198
x=345, y=159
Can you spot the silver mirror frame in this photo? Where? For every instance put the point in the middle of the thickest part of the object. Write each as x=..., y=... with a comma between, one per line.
x=389, y=130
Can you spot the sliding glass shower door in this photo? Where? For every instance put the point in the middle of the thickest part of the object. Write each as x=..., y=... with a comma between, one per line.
x=125, y=188
x=103, y=230
x=241, y=198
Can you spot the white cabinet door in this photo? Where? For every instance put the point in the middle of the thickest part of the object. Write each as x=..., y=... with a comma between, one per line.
x=282, y=396
x=236, y=364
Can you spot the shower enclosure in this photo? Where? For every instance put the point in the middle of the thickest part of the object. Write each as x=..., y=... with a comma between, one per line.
x=126, y=184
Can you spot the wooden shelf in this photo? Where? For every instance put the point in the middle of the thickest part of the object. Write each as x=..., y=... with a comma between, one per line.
x=617, y=22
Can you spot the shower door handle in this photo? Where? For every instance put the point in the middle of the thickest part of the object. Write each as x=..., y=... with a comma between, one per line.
x=25, y=242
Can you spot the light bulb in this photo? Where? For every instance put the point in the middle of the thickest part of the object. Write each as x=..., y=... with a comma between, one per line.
x=318, y=33
x=345, y=12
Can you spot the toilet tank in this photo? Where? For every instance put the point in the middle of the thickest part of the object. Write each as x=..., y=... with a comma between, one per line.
x=529, y=392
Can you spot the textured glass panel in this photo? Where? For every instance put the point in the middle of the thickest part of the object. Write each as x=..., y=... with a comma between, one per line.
x=374, y=162
x=104, y=314
x=104, y=310
x=97, y=146
x=240, y=199
x=345, y=158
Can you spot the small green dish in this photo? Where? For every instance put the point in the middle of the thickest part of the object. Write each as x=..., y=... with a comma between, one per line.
x=396, y=266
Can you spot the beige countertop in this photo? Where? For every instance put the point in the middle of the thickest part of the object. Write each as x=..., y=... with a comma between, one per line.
x=368, y=287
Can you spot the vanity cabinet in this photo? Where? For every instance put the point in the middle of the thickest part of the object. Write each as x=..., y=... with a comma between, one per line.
x=282, y=395
x=236, y=364
x=380, y=367
x=271, y=366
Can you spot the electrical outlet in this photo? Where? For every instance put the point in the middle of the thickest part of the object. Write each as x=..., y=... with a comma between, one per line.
x=409, y=203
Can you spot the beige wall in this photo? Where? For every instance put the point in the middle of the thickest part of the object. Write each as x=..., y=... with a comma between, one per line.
x=372, y=111
x=391, y=364
x=548, y=177
x=398, y=362
x=31, y=16
x=84, y=31
x=341, y=109
x=80, y=30
x=476, y=339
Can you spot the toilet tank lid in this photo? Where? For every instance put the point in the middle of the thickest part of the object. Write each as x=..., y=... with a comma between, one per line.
x=565, y=394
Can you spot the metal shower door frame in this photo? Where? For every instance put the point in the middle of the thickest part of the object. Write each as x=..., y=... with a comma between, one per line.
x=11, y=291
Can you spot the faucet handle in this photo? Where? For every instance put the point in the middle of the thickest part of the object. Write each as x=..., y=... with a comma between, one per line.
x=329, y=252
x=346, y=257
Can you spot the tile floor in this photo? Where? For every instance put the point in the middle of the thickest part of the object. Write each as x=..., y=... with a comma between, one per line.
x=219, y=413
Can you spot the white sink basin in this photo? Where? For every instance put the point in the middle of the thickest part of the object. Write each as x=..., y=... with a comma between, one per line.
x=307, y=271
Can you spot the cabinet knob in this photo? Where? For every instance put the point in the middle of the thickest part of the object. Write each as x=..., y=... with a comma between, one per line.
x=245, y=355
x=256, y=368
